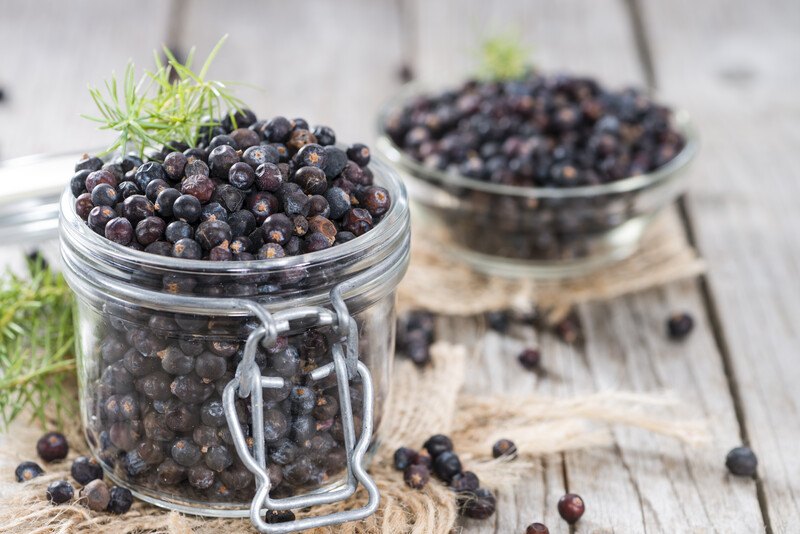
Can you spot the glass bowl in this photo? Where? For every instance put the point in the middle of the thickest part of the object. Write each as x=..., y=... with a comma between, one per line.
x=539, y=232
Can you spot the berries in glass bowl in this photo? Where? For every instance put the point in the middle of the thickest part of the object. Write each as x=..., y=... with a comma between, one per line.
x=541, y=175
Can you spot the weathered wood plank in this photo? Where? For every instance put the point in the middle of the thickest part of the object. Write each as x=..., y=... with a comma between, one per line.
x=51, y=50
x=332, y=63
x=734, y=66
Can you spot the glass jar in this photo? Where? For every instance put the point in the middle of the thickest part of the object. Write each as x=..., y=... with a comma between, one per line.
x=171, y=354
x=542, y=232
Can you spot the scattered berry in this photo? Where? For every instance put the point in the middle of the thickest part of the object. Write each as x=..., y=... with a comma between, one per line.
x=60, y=492
x=95, y=496
x=120, y=500
x=571, y=508
x=679, y=325
x=85, y=470
x=416, y=476
x=466, y=481
x=27, y=471
x=438, y=444
x=530, y=359
x=403, y=457
x=742, y=461
x=537, y=528
x=52, y=446
x=504, y=448
x=478, y=504
x=446, y=466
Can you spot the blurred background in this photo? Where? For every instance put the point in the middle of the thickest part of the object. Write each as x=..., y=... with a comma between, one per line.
x=336, y=62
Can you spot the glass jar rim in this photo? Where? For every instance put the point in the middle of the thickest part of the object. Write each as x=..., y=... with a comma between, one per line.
x=396, y=155
x=89, y=258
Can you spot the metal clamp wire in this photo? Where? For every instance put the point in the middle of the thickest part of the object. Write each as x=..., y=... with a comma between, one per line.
x=355, y=453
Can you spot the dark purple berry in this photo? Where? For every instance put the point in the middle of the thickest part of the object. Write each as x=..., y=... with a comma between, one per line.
x=185, y=452
x=403, y=457
x=187, y=208
x=136, y=208
x=84, y=205
x=199, y=186
x=220, y=161
x=358, y=221
x=187, y=249
x=359, y=154
x=52, y=446
x=85, y=469
x=504, y=448
x=119, y=230
x=312, y=180
x=174, y=164
x=241, y=175
x=438, y=444
x=148, y=172
x=270, y=251
x=99, y=218
x=213, y=233
x=100, y=177
x=311, y=155
x=325, y=135
x=679, y=325
x=165, y=201
x=478, y=504
x=27, y=471
x=376, y=200
x=334, y=163
x=537, y=528
x=571, y=507
x=178, y=230
x=416, y=476
x=120, y=500
x=466, y=481
x=150, y=230
x=277, y=228
x=89, y=163
x=60, y=492
x=104, y=195
x=742, y=462
x=530, y=359
x=277, y=130
x=446, y=465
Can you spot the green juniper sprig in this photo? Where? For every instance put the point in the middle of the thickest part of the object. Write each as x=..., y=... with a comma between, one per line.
x=504, y=58
x=36, y=343
x=169, y=103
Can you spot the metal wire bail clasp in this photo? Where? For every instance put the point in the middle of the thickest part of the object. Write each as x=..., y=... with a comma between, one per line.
x=248, y=381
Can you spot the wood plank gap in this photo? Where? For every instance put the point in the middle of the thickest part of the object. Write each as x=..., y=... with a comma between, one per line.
x=175, y=23
x=718, y=334
x=642, y=42
x=407, y=16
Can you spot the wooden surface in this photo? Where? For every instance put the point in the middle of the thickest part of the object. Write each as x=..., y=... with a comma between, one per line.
x=733, y=64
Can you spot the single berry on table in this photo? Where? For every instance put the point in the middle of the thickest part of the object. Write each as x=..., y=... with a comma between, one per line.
x=530, y=359
x=60, y=492
x=504, y=448
x=571, y=507
x=52, y=446
x=27, y=471
x=742, y=461
x=537, y=528
x=679, y=325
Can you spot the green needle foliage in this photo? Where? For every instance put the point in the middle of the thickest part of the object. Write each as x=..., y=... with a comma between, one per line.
x=36, y=344
x=169, y=103
x=504, y=58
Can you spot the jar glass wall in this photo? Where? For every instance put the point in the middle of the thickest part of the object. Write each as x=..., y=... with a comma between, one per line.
x=159, y=338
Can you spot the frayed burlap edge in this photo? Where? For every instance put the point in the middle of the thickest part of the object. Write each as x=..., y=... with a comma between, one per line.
x=538, y=425
x=438, y=283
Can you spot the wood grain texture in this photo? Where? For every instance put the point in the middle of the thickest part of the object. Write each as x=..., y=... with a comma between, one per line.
x=50, y=51
x=734, y=66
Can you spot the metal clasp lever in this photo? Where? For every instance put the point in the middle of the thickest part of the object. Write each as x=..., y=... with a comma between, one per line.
x=249, y=382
